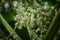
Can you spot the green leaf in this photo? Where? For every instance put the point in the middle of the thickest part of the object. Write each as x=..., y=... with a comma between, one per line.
x=53, y=28
x=8, y=27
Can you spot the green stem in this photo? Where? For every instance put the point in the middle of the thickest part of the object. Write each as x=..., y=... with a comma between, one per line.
x=8, y=27
x=53, y=28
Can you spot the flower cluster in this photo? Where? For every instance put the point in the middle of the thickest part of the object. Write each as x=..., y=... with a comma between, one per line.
x=34, y=18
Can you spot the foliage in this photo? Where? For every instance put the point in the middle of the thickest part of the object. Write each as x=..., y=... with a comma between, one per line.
x=29, y=19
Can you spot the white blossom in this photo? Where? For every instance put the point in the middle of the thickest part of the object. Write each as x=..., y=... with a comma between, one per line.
x=15, y=3
x=29, y=18
x=6, y=5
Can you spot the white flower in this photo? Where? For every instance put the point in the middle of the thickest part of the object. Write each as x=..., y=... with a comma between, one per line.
x=16, y=24
x=45, y=6
x=29, y=17
x=6, y=5
x=15, y=3
x=15, y=36
x=20, y=26
x=16, y=18
x=21, y=21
